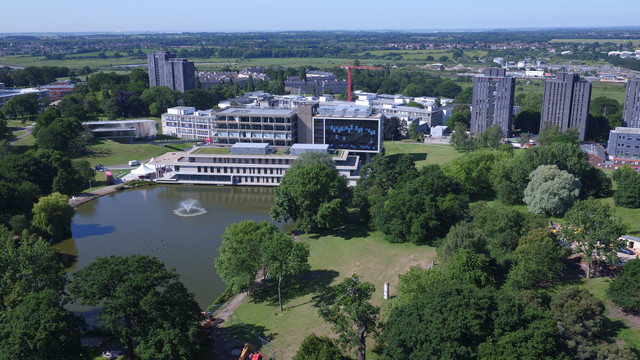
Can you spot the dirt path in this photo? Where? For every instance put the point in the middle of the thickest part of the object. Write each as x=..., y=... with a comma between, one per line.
x=617, y=313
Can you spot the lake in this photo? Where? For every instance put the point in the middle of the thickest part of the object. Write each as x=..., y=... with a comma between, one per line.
x=152, y=221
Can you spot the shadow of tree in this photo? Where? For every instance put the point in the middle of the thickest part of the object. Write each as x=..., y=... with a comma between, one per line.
x=415, y=156
x=250, y=333
x=612, y=328
x=353, y=229
x=312, y=282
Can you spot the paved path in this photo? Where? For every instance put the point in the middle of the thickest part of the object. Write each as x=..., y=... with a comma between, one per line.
x=83, y=198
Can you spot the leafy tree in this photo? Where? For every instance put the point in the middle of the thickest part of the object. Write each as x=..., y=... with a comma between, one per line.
x=539, y=260
x=60, y=134
x=377, y=178
x=449, y=322
x=551, y=191
x=392, y=128
x=200, y=99
x=448, y=89
x=469, y=266
x=462, y=236
x=624, y=289
x=579, y=317
x=413, y=133
x=460, y=139
x=416, y=281
x=527, y=121
x=603, y=105
x=315, y=347
x=305, y=188
x=351, y=314
x=593, y=231
x=21, y=106
x=521, y=330
x=628, y=192
x=473, y=170
x=141, y=300
x=28, y=265
x=421, y=208
x=159, y=98
x=240, y=259
x=52, y=216
x=551, y=134
x=491, y=138
x=282, y=256
x=40, y=328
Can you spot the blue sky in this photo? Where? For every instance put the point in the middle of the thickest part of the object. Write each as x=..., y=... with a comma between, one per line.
x=274, y=15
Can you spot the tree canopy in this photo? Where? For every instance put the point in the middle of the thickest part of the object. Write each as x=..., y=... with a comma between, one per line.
x=551, y=191
x=141, y=300
x=312, y=193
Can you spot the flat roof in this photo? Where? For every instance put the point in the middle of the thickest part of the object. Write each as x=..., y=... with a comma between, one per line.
x=250, y=111
x=116, y=122
x=249, y=145
x=310, y=146
x=627, y=130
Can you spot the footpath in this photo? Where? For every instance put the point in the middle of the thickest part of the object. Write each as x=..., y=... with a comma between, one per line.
x=83, y=198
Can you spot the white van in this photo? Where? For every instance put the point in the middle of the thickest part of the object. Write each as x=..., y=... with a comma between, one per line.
x=134, y=163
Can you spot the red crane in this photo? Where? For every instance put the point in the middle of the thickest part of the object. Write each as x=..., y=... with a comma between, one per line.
x=349, y=67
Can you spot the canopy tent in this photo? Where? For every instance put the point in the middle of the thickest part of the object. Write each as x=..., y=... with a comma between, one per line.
x=143, y=170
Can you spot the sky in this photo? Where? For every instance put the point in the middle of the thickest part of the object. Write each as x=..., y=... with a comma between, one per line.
x=24, y=16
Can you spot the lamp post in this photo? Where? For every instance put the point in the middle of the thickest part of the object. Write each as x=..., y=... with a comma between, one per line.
x=89, y=185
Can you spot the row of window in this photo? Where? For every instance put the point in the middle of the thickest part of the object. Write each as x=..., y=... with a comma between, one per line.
x=237, y=170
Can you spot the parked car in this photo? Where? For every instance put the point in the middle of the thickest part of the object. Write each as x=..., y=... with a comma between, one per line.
x=134, y=163
x=625, y=251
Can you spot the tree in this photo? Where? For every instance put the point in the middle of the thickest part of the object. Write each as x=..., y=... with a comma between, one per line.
x=20, y=106
x=40, y=328
x=392, y=128
x=624, y=289
x=60, y=134
x=315, y=347
x=282, y=256
x=159, y=98
x=52, y=216
x=462, y=236
x=417, y=281
x=628, y=192
x=448, y=322
x=376, y=179
x=413, y=133
x=580, y=319
x=28, y=265
x=604, y=106
x=141, y=300
x=551, y=191
x=539, y=260
x=473, y=170
x=527, y=121
x=200, y=99
x=593, y=231
x=310, y=185
x=240, y=260
x=460, y=139
x=351, y=314
x=551, y=134
x=470, y=267
x=420, y=208
x=491, y=138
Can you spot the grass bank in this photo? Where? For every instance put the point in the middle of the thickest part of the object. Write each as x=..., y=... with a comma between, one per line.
x=333, y=258
x=422, y=154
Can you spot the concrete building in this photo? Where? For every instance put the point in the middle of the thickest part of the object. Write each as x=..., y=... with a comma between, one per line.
x=167, y=70
x=624, y=143
x=492, y=102
x=565, y=103
x=8, y=94
x=277, y=127
x=243, y=168
x=631, y=112
x=122, y=130
x=58, y=90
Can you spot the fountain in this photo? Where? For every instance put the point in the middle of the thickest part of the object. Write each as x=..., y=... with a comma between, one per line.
x=189, y=207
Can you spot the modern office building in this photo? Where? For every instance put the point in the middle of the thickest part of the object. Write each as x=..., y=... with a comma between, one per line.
x=565, y=103
x=167, y=70
x=246, y=164
x=277, y=127
x=624, y=142
x=492, y=102
x=631, y=112
x=122, y=130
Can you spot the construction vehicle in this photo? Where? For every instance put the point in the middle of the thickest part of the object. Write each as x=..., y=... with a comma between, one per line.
x=249, y=353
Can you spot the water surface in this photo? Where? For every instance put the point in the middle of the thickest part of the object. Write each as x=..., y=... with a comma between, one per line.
x=142, y=221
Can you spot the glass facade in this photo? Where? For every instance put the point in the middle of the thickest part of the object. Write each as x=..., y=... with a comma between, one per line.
x=347, y=134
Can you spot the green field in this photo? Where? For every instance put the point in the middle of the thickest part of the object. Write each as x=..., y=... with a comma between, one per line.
x=111, y=153
x=332, y=259
x=591, y=41
x=423, y=154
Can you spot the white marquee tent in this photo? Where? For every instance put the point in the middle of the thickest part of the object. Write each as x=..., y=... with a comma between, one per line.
x=143, y=170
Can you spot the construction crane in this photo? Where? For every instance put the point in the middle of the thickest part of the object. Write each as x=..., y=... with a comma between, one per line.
x=349, y=67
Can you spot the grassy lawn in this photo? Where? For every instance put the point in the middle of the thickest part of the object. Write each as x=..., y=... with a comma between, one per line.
x=423, y=154
x=111, y=153
x=213, y=150
x=333, y=258
x=616, y=91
